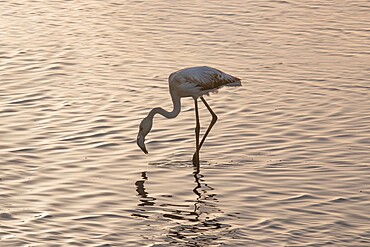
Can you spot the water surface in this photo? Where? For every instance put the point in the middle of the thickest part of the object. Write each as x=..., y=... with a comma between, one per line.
x=287, y=164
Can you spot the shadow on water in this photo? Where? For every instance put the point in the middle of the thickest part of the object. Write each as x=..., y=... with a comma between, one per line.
x=140, y=189
x=196, y=224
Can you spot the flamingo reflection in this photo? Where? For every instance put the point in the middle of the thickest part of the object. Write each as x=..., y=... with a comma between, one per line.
x=189, y=226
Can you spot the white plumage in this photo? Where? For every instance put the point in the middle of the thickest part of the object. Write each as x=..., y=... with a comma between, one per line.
x=197, y=81
x=189, y=82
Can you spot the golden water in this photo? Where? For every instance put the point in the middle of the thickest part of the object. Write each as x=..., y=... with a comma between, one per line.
x=287, y=164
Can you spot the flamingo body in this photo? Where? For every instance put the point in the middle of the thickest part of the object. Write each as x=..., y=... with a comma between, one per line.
x=197, y=81
x=189, y=82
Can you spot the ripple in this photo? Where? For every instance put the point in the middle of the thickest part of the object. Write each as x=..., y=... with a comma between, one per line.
x=287, y=162
x=6, y=216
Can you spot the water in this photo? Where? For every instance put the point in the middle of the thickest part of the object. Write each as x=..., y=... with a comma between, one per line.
x=287, y=164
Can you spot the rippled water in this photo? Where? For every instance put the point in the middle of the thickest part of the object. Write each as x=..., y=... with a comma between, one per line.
x=287, y=164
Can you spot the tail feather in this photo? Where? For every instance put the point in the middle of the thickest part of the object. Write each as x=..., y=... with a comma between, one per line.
x=236, y=83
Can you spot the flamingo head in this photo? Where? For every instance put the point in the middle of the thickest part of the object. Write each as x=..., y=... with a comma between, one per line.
x=144, y=128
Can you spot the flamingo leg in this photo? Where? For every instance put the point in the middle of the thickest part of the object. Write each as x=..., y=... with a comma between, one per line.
x=213, y=121
x=197, y=130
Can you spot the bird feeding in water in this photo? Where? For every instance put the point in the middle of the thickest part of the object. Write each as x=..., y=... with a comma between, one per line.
x=189, y=82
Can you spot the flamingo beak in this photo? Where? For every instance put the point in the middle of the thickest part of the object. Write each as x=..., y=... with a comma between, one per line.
x=141, y=143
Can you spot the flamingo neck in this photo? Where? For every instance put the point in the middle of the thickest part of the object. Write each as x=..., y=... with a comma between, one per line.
x=176, y=100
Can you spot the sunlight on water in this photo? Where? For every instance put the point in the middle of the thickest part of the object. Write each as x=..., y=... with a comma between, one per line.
x=287, y=163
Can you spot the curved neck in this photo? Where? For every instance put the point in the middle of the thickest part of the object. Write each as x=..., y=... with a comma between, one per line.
x=172, y=114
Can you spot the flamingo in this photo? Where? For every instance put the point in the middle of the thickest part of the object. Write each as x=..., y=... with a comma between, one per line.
x=189, y=82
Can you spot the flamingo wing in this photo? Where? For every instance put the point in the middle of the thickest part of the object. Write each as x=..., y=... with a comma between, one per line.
x=207, y=78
